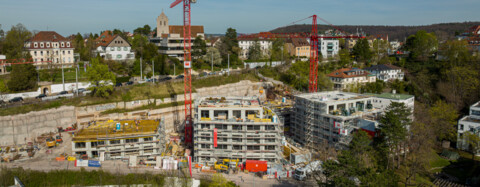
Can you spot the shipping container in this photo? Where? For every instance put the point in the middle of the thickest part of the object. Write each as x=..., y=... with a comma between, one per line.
x=256, y=166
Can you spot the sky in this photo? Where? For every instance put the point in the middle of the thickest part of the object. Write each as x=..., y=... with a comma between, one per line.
x=246, y=16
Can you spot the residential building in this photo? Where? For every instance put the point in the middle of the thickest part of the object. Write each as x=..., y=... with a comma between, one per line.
x=169, y=38
x=246, y=43
x=394, y=47
x=235, y=127
x=3, y=68
x=332, y=117
x=350, y=43
x=50, y=49
x=345, y=77
x=113, y=47
x=301, y=47
x=470, y=123
x=121, y=139
x=386, y=72
x=328, y=47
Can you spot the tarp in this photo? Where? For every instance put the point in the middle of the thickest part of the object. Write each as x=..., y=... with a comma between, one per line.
x=215, y=137
x=94, y=163
x=81, y=163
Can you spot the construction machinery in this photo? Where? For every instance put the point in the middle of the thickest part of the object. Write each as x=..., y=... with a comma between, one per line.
x=50, y=142
x=227, y=166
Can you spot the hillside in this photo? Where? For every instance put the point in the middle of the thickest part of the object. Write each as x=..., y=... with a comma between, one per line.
x=442, y=30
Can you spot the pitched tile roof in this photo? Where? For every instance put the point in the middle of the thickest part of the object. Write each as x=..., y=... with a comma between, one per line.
x=48, y=36
x=300, y=42
x=106, y=38
x=178, y=29
x=348, y=73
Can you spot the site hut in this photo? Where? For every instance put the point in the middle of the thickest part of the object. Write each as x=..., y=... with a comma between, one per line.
x=333, y=116
x=235, y=128
x=120, y=139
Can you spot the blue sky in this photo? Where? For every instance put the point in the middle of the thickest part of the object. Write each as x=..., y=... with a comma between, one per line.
x=247, y=16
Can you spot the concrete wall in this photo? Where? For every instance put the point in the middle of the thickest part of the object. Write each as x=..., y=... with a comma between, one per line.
x=14, y=129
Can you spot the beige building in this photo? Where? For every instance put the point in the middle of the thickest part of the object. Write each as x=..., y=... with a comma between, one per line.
x=344, y=77
x=50, y=49
x=302, y=47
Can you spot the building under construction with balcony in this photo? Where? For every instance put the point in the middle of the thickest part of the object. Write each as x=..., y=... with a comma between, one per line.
x=120, y=139
x=235, y=127
x=331, y=117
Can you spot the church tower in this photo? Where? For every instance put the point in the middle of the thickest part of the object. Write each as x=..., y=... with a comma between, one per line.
x=162, y=24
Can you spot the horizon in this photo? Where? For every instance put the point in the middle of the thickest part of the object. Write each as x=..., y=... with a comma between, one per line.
x=246, y=16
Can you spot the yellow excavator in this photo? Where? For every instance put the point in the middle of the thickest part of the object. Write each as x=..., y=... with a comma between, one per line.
x=51, y=142
x=227, y=165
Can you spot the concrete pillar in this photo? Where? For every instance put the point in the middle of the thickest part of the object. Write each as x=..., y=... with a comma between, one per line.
x=230, y=114
x=242, y=115
x=211, y=114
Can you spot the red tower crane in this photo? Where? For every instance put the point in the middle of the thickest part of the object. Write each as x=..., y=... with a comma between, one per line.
x=187, y=64
x=313, y=35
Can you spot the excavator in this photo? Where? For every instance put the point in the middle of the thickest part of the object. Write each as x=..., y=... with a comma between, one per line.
x=227, y=166
x=51, y=142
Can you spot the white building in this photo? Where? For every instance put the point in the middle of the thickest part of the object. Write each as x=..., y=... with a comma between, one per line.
x=470, y=123
x=328, y=47
x=345, y=77
x=169, y=38
x=113, y=47
x=246, y=43
x=50, y=49
x=386, y=72
x=394, y=46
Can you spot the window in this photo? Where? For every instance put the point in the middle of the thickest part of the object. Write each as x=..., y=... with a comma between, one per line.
x=63, y=52
x=237, y=127
x=205, y=146
x=204, y=138
x=63, y=44
x=220, y=126
x=68, y=52
x=80, y=145
x=35, y=53
x=112, y=142
x=149, y=139
x=69, y=59
x=253, y=147
x=461, y=127
x=56, y=52
x=237, y=147
x=253, y=127
x=269, y=127
x=125, y=48
x=270, y=147
x=222, y=146
x=134, y=140
x=112, y=48
x=205, y=126
x=41, y=45
x=236, y=140
x=119, y=48
x=270, y=140
x=68, y=44
x=119, y=56
x=48, y=44
x=35, y=44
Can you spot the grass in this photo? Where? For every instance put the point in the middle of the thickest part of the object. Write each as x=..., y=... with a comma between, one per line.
x=76, y=178
x=133, y=93
x=463, y=168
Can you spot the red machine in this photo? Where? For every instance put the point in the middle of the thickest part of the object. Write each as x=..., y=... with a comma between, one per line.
x=256, y=166
x=187, y=63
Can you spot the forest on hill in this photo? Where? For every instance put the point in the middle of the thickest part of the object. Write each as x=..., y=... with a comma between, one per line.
x=443, y=31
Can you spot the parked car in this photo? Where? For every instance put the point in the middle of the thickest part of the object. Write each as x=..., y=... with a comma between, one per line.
x=15, y=99
x=63, y=93
x=41, y=96
x=119, y=84
x=179, y=77
x=129, y=83
x=167, y=78
x=80, y=90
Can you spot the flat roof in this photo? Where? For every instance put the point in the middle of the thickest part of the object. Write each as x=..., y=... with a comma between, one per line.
x=333, y=96
x=392, y=96
x=218, y=101
x=108, y=130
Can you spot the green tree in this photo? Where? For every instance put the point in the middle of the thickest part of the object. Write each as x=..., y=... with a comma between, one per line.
x=444, y=119
x=362, y=51
x=14, y=42
x=380, y=49
x=199, y=48
x=277, y=51
x=217, y=58
x=344, y=58
x=143, y=48
x=394, y=127
x=254, y=52
x=455, y=51
x=229, y=45
x=373, y=87
x=145, y=30
x=101, y=78
x=422, y=45
x=23, y=77
x=473, y=140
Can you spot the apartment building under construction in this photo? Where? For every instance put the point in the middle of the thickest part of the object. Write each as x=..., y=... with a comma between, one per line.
x=331, y=117
x=120, y=139
x=235, y=127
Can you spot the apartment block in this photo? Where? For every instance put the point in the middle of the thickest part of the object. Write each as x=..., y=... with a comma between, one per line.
x=331, y=117
x=235, y=127
x=120, y=139
x=470, y=123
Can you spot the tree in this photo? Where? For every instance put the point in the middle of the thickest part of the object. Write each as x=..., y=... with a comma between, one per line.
x=3, y=90
x=101, y=78
x=345, y=59
x=373, y=87
x=143, y=49
x=422, y=45
x=217, y=58
x=199, y=48
x=23, y=77
x=14, y=42
x=278, y=51
x=380, y=49
x=473, y=140
x=229, y=45
x=145, y=30
x=254, y=52
x=463, y=85
x=394, y=124
x=362, y=51
x=444, y=119
x=455, y=51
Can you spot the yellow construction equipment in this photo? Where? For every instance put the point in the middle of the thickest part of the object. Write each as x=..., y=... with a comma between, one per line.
x=227, y=166
x=51, y=142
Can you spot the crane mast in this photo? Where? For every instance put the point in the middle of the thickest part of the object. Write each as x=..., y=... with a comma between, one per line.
x=313, y=76
x=187, y=64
